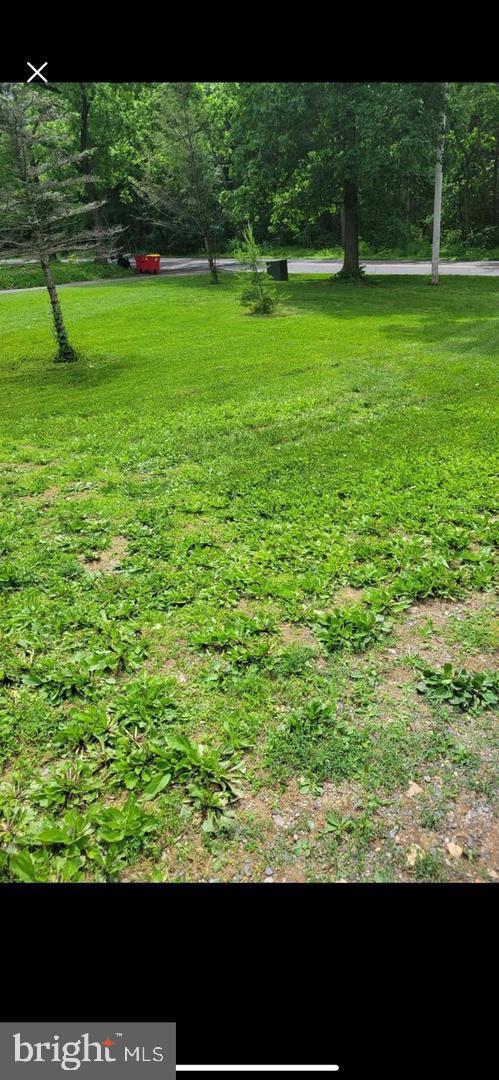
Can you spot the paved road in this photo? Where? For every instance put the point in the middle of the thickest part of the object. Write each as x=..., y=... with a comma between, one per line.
x=331, y=266
x=295, y=266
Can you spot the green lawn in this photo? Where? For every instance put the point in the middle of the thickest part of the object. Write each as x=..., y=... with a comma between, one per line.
x=230, y=546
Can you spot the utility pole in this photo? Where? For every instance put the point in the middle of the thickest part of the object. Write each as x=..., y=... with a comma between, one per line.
x=437, y=202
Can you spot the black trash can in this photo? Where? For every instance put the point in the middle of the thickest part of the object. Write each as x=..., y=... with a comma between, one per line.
x=278, y=269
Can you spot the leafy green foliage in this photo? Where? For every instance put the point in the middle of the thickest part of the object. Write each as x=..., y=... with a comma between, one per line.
x=353, y=628
x=465, y=689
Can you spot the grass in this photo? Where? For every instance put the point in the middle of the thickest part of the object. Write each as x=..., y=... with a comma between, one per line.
x=29, y=277
x=212, y=527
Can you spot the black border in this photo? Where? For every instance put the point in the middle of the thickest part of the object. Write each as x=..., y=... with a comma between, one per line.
x=147, y=44
x=361, y=975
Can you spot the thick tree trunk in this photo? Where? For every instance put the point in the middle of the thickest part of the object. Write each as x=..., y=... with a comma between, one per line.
x=342, y=225
x=351, y=257
x=65, y=353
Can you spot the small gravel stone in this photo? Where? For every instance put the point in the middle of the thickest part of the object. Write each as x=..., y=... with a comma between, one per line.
x=268, y=871
x=246, y=868
x=278, y=820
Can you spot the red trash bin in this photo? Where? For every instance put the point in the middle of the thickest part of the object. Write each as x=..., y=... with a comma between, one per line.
x=147, y=264
x=153, y=263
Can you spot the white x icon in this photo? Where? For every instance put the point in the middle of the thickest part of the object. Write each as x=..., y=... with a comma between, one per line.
x=37, y=71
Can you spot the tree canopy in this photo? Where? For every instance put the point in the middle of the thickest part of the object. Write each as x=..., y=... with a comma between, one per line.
x=312, y=163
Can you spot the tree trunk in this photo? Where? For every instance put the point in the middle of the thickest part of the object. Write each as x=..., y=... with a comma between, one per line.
x=437, y=197
x=65, y=353
x=212, y=261
x=351, y=258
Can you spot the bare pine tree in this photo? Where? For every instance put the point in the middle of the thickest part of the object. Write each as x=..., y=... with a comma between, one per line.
x=43, y=199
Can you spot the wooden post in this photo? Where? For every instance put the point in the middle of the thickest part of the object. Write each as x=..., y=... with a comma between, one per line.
x=437, y=202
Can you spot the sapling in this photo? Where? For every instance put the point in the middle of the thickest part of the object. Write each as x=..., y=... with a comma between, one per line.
x=258, y=291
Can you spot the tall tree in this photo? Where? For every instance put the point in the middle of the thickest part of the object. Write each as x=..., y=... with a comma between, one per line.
x=181, y=191
x=114, y=121
x=471, y=197
x=42, y=197
x=343, y=142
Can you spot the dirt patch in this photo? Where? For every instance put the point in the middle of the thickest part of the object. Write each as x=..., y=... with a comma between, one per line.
x=188, y=527
x=347, y=595
x=462, y=834
x=17, y=466
x=42, y=498
x=424, y=633
x=297, y=634
x=109, y=559
x=395, y=692
x=76, y=496
x=174, y=659
x=245, y=607
x=409, y=636
x=140, y=871
x=50, y=494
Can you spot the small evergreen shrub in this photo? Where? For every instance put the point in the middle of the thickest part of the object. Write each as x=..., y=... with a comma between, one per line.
x=258, y=291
